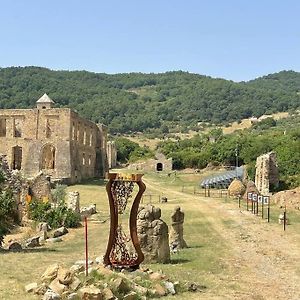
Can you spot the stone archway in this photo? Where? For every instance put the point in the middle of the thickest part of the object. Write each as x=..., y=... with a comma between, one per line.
x=47, y=157
x=159, y=166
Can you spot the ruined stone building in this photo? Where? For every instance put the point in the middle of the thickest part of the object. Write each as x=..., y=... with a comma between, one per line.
x=56, y=141
x=266, y=174
x=159, y=163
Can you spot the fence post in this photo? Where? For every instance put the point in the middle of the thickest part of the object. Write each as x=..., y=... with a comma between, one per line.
x=268, y=210
x=262, y=208
x=284, y=218
x=239, y=199
x=86, y=246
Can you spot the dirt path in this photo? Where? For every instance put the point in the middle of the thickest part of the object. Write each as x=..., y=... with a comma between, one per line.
x=264, y=261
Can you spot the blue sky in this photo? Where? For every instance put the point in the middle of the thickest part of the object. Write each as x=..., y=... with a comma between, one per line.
x=232, y=39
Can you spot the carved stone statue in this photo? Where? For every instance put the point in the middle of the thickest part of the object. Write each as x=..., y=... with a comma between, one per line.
x=153, y=234
x=176, y=238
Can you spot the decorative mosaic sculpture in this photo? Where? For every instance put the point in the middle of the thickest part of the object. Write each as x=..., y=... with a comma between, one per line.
x=123, y=251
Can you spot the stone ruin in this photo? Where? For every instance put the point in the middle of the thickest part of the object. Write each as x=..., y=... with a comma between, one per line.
x=153, y=234
x=266, y=174
x=73, y=201
x=40, y=187
x=176, y=235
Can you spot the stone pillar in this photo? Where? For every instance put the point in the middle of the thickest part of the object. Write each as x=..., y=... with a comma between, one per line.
x=177, y=240
x=74, y=201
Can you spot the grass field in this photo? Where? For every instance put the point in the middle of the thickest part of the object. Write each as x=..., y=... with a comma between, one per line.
x=231, y=252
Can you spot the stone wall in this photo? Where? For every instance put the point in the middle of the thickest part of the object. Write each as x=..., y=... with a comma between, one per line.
x=266, y=174
x=56, y=141
x=160, y=163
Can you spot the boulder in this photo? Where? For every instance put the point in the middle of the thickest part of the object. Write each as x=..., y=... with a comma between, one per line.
x=15, y=246
x=57, y=287
x=50, y=273
x=41, y=290
x=60, y=232
x=75, y=284
x=29, y=288
x=75, y=269
x=88, y=211
x=121, y=285
x=64, y=276
x=33, y=242
x=108, y=294
x=43, y=226
x=54, y=240
x=170, y=287
x=73, y=296
x=90, y=293
x=159, y=290
x=50, y=295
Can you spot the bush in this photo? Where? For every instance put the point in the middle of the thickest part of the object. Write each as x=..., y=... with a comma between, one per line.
x=59, y=193
x=56, y=216
x=7, y=212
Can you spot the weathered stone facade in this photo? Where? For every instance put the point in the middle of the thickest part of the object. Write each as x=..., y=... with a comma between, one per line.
x=111, y=154
x=56, y=141
x=266, y=174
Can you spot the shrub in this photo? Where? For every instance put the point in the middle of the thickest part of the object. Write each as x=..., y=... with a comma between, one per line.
x=7, y=212
x=56, y=216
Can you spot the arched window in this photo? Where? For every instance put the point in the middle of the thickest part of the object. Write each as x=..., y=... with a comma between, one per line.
x=48, y=157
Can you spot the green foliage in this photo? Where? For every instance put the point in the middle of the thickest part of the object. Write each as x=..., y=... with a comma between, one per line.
x=131, y=151
x=198, y=151
x=138, y=102
x=56, y=216
x=59, y=193
x=265, y=124
x=7, y=212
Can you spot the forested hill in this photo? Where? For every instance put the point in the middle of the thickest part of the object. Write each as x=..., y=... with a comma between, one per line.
x=137, y=102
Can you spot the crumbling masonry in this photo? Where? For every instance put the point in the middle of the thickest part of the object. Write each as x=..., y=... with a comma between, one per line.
x=56, y=141
x=266, y=175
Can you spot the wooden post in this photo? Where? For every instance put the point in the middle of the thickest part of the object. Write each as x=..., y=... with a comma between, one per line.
x=284, y=218
x=262, y=207
x=268, y=210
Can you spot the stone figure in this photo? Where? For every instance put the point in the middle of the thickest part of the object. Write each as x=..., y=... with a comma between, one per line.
x=177, y=240
x=153, y=234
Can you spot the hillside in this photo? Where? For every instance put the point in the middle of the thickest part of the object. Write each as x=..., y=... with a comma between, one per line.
x=139, y=102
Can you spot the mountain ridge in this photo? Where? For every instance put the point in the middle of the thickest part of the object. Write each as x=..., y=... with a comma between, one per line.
x=129, y=102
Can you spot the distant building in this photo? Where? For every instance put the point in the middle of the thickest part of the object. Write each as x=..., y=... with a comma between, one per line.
x=159, y=163
x=56, y=141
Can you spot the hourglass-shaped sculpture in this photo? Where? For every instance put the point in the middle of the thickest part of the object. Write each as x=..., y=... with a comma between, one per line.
x=123, y=251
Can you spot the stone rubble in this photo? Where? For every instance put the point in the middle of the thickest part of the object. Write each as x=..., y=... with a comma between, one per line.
x=103, y=283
